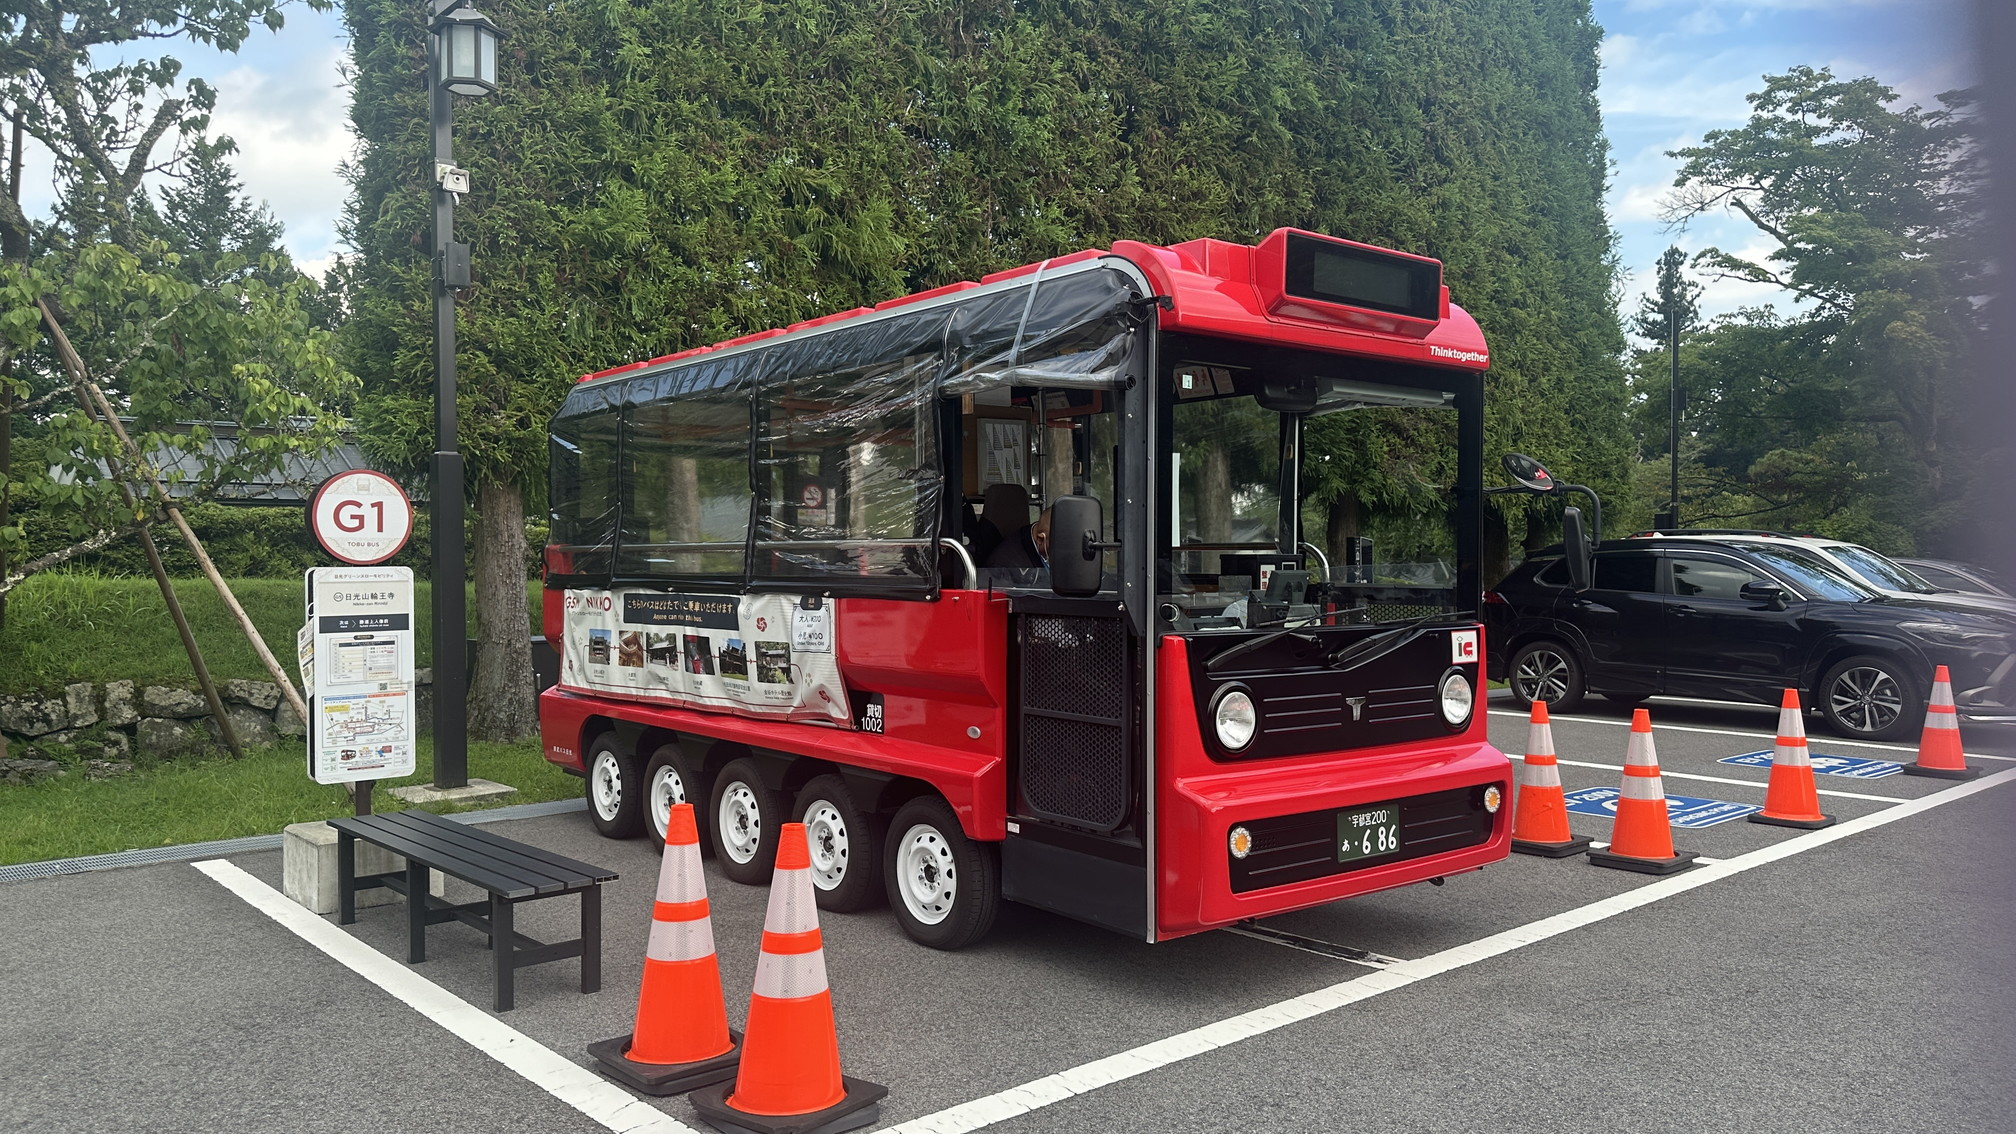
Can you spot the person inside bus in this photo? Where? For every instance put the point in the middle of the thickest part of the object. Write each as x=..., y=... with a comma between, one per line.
x=1027, y=549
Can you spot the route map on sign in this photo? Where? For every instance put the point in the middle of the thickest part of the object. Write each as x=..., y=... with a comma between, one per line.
x=372, y=718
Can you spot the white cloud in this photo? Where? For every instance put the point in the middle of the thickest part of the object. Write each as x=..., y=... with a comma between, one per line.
x=292, y=130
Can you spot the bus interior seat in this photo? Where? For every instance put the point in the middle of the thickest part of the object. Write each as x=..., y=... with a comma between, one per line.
x=1004, y=512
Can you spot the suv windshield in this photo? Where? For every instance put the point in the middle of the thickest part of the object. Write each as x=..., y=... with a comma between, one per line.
x=1812, y=573
x=1879, y=570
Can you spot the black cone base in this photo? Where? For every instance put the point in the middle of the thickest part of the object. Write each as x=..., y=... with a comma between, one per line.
x=861, y=1106
x=1942, y=773
x=1576, y=845
x=1674, y=865
x=665, y=1078
x=1804, y=824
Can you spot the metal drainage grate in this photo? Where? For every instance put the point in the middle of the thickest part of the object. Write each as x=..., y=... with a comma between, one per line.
x=219, y=848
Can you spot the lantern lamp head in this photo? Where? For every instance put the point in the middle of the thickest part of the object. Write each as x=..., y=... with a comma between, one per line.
x=465, y=51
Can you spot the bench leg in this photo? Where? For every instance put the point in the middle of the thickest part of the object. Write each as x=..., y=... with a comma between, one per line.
x=346, y=878
x=418, y=881
x=503, y=950
x=591, y=939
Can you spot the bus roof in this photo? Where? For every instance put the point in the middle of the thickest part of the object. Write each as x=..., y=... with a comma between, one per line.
x=1222, y=289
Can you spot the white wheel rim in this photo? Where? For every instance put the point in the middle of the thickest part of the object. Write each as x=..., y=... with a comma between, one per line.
x=605, y=786
x=826, y=836
x=926, y=875
x=667, y=788
x=740, y=823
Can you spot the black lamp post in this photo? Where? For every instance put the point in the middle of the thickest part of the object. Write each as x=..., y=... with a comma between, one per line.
x=462, y=59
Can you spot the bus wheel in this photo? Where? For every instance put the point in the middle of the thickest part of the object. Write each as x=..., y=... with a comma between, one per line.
x=845, y=873
x=614, y=793
x=664, y=785
x=745, y=816
x=946, y=886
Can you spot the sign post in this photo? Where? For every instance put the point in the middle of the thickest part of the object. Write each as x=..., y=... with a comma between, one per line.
x=357, y=648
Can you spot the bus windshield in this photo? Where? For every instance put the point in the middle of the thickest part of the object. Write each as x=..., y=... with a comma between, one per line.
x=1328, y=503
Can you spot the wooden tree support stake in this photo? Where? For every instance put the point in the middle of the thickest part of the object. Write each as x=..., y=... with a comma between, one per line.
x=93, y=396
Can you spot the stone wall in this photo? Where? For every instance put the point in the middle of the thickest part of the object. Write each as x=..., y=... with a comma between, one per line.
x=103, y=729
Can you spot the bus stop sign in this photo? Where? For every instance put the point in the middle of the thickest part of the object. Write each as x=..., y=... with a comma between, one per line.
x=360, y=517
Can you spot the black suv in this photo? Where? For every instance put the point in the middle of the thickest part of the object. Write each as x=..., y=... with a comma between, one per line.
x=1741, y=620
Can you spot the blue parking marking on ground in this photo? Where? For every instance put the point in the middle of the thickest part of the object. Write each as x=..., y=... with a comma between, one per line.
x=1687, y=811
x=1826, y=765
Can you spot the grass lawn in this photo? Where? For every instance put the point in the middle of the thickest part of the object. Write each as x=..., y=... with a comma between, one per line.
x=79, y=627
x=197, y=800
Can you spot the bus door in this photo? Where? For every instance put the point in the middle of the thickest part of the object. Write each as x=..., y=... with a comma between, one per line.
x=1075, y=772
x=1078, y=832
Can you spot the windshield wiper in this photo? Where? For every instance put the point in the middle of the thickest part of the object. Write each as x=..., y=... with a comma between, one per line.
x=1375, y=646
x=1245, y=648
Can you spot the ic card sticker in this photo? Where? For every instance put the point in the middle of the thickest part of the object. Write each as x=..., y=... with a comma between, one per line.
x=1850, y=766
x=1463, y=647
x=1691, y=812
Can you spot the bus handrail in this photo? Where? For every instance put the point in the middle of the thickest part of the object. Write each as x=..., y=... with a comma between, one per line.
x=972, y=572
x=1320, y=558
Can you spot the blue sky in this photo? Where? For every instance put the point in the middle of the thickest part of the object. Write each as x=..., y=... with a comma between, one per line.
x=1672, y=70
x=1675, y=69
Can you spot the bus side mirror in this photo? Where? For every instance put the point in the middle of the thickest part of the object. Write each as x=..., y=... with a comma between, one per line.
x=1075, y=563
x=1575, y=547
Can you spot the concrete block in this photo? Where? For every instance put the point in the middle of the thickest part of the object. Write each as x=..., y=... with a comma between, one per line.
x=308, y=861
x=477, y=789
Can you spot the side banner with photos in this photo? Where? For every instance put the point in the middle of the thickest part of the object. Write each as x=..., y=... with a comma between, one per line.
x=752, y=655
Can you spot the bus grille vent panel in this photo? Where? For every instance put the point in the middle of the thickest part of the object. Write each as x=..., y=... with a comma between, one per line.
x=1074, y=770
x=1073, y=765
x=1072, y=665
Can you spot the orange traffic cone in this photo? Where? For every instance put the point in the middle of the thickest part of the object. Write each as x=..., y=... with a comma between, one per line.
x=1642, y=839
x=790, y=1081
x=1939, y=752
x=1540, y=813
x=681, y=1039
x=1791, y=799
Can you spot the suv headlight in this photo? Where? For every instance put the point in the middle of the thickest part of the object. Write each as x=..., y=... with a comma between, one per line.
x=1457, y=698
x=1235, y=718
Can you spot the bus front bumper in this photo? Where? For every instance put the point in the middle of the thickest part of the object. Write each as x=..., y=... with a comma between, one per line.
x=1295, y=819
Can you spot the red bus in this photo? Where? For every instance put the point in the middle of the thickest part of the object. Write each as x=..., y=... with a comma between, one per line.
x=1015, y=589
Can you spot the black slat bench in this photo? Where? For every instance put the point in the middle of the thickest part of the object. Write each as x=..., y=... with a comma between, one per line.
x=511, y=871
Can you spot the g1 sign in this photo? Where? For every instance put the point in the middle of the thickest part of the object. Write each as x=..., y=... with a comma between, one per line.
x=360, y=517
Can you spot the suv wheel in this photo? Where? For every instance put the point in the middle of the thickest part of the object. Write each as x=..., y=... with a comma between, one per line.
x=1871, y=698
x=1545, y=671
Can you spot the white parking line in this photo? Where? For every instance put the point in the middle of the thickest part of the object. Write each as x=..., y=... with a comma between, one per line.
x=1765, y=739
x=599, y=1099
x=1671, y=774
x=1087, y=1077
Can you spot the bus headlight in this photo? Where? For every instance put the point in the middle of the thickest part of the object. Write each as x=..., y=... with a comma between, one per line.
x=1235, y=718
x=1457, y=699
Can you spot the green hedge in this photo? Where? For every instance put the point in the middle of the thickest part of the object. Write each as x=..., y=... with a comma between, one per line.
x=64, y=627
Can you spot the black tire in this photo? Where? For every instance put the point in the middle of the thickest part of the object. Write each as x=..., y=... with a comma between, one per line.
x=845, y=846
x=944, y=888
x=1546, y=671
x=614, y=789
x=742, y=821
x=665, y=783
x=1871, y=697
x=1627, y=700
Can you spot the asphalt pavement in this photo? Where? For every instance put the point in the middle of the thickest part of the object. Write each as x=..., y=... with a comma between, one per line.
x=1856, y=979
